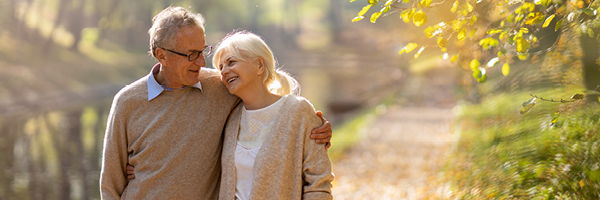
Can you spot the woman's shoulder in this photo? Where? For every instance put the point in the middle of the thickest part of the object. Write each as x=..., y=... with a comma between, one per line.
x=298, y=103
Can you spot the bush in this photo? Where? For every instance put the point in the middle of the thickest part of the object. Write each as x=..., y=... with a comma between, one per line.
x=502, y=154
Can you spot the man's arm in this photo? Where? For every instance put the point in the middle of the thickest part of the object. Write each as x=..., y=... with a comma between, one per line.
x=114, y=157
x=322, y=134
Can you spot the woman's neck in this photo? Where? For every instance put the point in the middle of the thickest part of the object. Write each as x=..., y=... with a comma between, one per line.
x=258, y=99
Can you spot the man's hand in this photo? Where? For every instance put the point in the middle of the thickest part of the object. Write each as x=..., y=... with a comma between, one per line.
x=130, y=173
x=323, y=133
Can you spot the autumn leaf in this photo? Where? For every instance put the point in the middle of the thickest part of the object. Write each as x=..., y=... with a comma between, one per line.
x=419, y=18
x=505, y=69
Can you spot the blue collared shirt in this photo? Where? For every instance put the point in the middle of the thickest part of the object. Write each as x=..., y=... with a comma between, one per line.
x=155, y=89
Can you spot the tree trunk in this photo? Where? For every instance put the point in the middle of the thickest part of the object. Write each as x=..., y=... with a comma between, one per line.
x=591, y=68
x=62, y=7
x=7, y=151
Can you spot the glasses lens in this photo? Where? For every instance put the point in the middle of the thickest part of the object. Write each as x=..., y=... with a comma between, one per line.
x=194, y=56
x=207, y=50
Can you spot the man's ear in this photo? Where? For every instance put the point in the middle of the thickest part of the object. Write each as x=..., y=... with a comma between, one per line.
x=161, y=55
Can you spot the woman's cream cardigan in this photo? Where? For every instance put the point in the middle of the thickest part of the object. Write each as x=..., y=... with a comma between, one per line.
x=289, y=164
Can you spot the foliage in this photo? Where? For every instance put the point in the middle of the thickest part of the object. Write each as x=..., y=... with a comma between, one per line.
x=491, y=31
x=505, y=155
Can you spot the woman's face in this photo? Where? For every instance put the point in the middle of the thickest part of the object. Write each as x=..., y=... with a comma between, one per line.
x=240, y=75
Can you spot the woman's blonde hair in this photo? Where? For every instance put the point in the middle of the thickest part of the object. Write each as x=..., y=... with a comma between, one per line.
x=248, y=46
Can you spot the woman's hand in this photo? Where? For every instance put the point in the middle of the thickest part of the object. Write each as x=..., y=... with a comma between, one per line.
x=130, y=173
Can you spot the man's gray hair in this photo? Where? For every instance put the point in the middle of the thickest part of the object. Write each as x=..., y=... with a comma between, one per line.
x=167, y=23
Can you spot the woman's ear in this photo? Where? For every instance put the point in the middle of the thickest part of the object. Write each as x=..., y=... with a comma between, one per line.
x=261, y=66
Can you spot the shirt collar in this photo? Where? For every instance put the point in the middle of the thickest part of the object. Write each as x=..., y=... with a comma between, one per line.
x=155, y=89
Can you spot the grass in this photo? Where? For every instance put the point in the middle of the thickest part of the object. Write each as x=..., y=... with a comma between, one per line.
x=502, y=154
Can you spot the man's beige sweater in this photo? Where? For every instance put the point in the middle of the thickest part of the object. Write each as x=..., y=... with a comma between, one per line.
x=174, y=141
x=289, y=164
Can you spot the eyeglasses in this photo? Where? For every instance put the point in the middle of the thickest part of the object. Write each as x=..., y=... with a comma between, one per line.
x=194, y=55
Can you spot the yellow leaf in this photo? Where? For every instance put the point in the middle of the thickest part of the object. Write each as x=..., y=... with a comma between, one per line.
x=473, y=20
x=409, y=47
x=581, y=183
x=358, y=18
x=374, y=16
x=454, y=7
x=455, y=58
x=462, y=34
x=406, y=15
x=474, y=64
x=505, y=69
x=419, y=52
x=442, y=42
x=533, y=18
x=364, y=10
x=419, y=18
x=388, y=3
x=548, y=20
x=522, y=45
x=425, y=3
x=469, y=7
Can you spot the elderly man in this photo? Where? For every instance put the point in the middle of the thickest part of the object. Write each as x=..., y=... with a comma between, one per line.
x=169, y=124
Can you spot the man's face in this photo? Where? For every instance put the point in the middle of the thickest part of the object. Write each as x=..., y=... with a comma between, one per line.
x=178, y=70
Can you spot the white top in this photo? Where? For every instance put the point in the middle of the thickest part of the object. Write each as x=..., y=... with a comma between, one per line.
x=255, y=126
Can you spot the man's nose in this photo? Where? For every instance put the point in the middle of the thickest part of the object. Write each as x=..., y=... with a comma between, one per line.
x=201, y=61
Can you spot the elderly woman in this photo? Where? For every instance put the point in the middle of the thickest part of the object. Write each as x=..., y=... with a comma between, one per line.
x=267, y=152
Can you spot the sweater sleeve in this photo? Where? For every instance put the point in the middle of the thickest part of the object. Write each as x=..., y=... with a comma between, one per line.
x=114, y=159
x=316, y=168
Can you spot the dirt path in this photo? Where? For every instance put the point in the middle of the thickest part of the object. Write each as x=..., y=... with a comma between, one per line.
x=398, y=157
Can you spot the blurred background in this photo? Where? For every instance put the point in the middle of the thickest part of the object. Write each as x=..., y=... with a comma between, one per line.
x=404, y=128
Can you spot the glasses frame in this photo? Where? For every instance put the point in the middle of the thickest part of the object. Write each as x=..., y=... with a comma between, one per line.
x=189, y=56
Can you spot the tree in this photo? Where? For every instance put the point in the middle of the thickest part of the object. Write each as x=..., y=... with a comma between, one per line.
x=480, y=34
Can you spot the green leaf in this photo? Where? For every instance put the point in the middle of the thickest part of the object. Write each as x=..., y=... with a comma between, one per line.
x=577, y=96
x=479, y=74
x=454, y=7
x=501, y=52
x=474, y=65
x=548, y=20
x=591, y=92
x=408, y=48
x=527, y=105
x=419, y=52
x=554, y=118
x=419, y=18
x=462, y=34
x=493, y=62
x=522, y=45
x=558, y=23
x=374, y=16
x=505, y=69
x=534, y=18
x=407, y=15
x=425, y=3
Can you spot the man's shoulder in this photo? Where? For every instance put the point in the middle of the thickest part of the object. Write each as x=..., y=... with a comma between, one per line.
x=135, y=90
